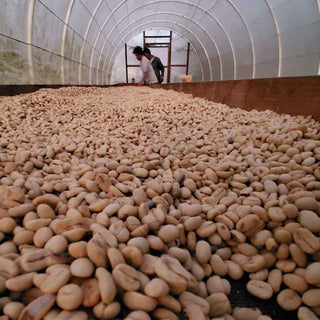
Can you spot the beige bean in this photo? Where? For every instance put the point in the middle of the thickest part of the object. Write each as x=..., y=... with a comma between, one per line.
x=218, y=265
x=275, y=279
x=259, y=275
x=45, y=211
x=155, y=243
x=13, y=309
x=309, y=220
x=8, y=268
x=139, y=301
x=139, y=242
x=109, y=311
x=161, y=313
x=312, y=274
x=289, y=300
x=178, y=278
x=148, y=264
x=203, y=251
x=82, y=268
x=20, y=283
x=138, y=315
x=126, y=277
x=306, y=240
x=311, y=298
x=69, y=297
x=305, y=313
x=170, y=303
x=57, y=244
x=286, y=265
x=7, y=224
x=290, y=210
x=56, y=280
x=254, y=263
x=38, y=308
x=90, y=292
x=295, y=282
x=156, y=288
x=21, y=210
x=234, y=270
x=215, y=284
x=260, y=289
x=190, y=210
x=78, y=249
x=219, y=305
x=168, y=233
x=298, y=256
x=246, y=313
x=41, y=236
x=107, y=286
x=307, y=203
x=133, y=254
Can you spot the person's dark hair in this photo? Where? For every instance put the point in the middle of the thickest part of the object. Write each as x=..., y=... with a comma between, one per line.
x=147, y=51
x=138, y=50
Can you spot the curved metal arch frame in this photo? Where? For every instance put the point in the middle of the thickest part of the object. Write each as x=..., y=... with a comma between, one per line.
x=198, y=7
x=205, y=12
x=30, y=38
x=157, y=28
x=151, y=22
x=92, y=18
x=318, y=3
x=181, y=16
x=64, y=33
x=112, y=11
x=278, y=36
x=250, y=37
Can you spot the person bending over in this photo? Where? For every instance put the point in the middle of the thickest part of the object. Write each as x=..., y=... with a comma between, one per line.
x=148, y=75
x=156, y=64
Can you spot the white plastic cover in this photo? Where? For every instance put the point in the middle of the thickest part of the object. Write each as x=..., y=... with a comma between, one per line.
x=77, y=41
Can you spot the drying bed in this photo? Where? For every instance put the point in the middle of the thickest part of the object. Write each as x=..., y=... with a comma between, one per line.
x=143, y=203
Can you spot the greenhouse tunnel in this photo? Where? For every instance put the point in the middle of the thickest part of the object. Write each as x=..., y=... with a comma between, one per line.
x=193, y=195
x=76, y=41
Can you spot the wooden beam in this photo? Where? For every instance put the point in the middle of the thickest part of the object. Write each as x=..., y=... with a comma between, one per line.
x=169, y=59
x=155, y=37
x=172, y=66
x=188, y=58
x=144, y=39
x=126, y=57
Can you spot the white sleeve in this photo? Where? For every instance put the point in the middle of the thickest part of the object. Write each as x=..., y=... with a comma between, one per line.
x=144, y=64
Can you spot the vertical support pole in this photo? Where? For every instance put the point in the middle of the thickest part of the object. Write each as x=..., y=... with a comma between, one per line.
x=144, y=39
x=188, y=57
x=126, y=57
x=169, y=58
x=30, y=39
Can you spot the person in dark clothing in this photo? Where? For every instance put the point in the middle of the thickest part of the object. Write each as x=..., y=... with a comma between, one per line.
x=156, y=64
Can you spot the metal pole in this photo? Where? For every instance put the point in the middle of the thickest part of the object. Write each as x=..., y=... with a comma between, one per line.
x=126, y=57
x=188, y=57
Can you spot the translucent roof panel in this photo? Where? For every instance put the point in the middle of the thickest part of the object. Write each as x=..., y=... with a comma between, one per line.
x=79, y=41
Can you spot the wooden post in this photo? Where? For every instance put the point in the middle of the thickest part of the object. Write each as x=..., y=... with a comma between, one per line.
x=126, y=57
x=144, y=39
x=169, y=59
x=188, y=57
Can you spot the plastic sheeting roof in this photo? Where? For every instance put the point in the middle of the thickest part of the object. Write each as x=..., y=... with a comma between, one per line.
x=234, y=39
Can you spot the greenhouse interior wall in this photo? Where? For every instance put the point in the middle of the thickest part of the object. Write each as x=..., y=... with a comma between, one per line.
x=77, y=41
